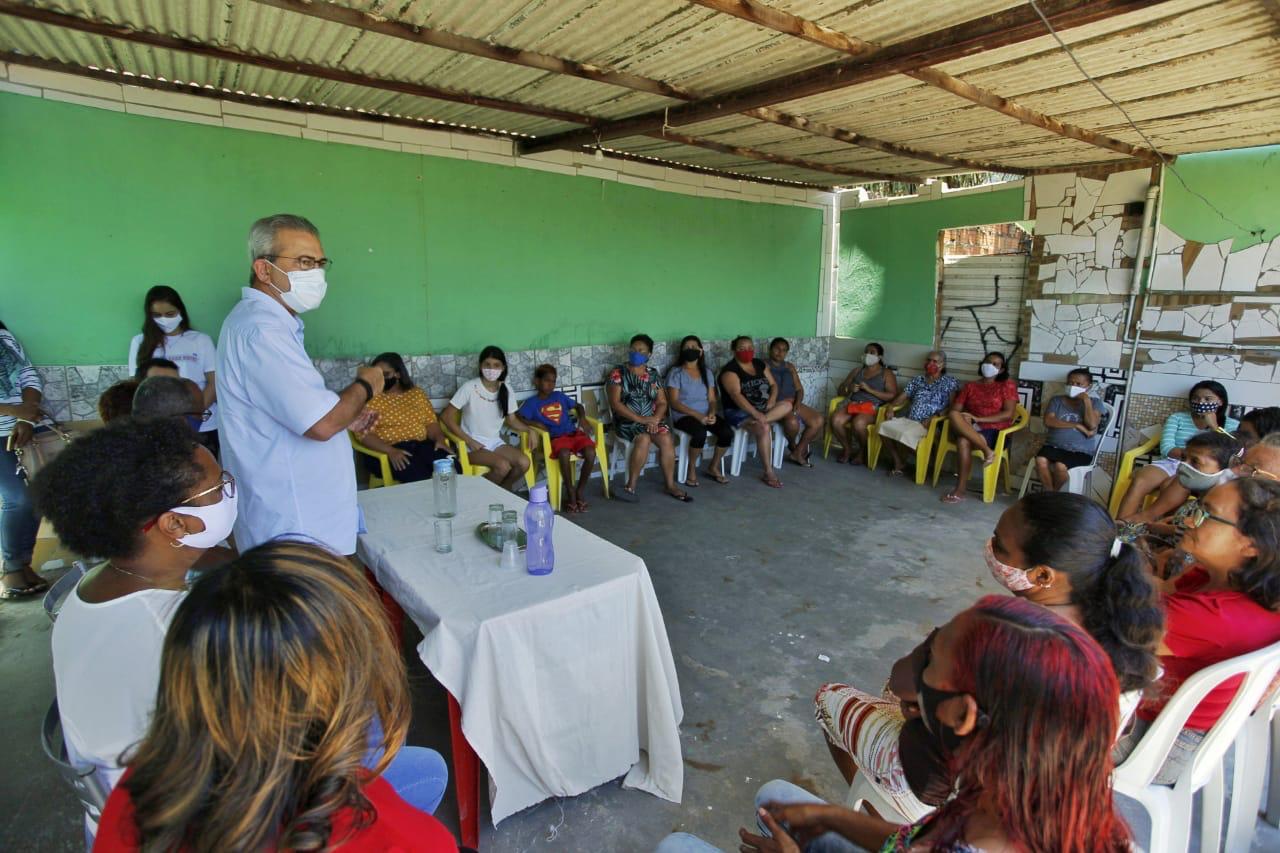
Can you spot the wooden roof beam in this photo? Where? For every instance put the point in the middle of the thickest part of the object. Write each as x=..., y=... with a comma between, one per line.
x=1000, y=29
x=369, y=22
x=785, y=22
x=767, y=156
x=324, y=72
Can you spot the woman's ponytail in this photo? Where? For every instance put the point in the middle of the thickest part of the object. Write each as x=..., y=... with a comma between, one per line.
x=1121, y=610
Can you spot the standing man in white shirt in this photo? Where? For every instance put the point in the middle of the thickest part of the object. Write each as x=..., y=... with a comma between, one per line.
x=282, y=429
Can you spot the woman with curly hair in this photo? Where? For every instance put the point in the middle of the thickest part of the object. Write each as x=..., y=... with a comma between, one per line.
x=1221, y=600
x=274, y=672
x=1000, y=670
x=147, y=500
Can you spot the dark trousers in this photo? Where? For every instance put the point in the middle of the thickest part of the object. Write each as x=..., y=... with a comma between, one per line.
x=698, y=431
x=422, y=458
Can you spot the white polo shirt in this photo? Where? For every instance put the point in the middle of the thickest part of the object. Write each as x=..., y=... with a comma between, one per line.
x=270, y=394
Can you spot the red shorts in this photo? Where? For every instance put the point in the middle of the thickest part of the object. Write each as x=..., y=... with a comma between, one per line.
x=575, y=442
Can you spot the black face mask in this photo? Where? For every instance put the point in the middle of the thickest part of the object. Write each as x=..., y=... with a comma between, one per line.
x=689, y=354
x=930, y=698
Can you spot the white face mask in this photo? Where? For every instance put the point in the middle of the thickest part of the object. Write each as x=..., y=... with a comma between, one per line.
x=989, y=370
x=218, y=520
x=168, y=325
x=870, y=359
x=306, y=289
x=493, y=374
x=1074, y=391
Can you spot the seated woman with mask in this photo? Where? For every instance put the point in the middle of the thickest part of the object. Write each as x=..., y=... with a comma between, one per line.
x=992, y=674
x=222, y=769
x=1055, y=549
x=1074, y=422
x=148, y=499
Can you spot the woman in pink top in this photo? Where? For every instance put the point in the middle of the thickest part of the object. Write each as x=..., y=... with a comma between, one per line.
x=1222, y=600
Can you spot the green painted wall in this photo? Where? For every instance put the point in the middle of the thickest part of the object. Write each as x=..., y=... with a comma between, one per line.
x=1243, y=185
x=888, y=262
x=431, y=255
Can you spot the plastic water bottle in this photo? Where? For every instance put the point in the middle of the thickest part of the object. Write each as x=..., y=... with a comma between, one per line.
x=446, y=488
x=540, y=555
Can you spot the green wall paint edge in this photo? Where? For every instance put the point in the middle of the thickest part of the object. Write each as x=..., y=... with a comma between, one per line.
x=432, y=255
x=1244, y=187
x=887, y=289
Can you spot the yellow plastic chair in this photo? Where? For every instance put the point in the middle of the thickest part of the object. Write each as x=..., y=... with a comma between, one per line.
x=464, y=456
x=992, y=472
x=872, y=449
x=923, y=449
x=552, y=465
x=375, y=481
x=1124, y=474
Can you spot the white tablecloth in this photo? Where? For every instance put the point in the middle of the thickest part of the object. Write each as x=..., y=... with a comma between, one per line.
x=566, y=680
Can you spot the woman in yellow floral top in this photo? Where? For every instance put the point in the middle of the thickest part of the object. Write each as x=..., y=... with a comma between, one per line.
x=406, y=429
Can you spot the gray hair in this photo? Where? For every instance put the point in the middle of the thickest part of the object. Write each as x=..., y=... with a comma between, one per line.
x=939, y=353
x=160, y=397
x=262, y=236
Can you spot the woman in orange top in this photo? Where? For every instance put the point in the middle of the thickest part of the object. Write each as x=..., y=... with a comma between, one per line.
x=406, y=429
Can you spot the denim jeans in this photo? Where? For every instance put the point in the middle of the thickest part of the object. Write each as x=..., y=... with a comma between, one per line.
x=419, y=775
x=777, y=791
x=18, y=522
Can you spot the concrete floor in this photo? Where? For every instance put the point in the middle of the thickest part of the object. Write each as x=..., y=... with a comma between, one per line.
x=755, y=585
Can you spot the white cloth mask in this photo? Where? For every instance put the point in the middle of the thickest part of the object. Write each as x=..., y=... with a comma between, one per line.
x=989, y=370
x=493, y=374
x=219, y=519
x=870, y=359
x=1011, y=578
x=1074, y=391
x=306, y=289
x=168, y=325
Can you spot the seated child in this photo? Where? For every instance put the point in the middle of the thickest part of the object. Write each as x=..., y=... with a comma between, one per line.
x=550, y=409
x=1206, y=462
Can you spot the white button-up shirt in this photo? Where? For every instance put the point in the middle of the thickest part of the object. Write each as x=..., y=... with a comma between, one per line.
x=270, y=394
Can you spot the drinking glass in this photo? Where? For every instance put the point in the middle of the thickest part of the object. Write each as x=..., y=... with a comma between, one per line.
x=444, y=535
x=495, y=515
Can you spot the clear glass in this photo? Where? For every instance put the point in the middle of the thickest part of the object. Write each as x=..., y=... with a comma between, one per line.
x=495, y=515
x=510, y=555
x=509, y=518
x=444, y=535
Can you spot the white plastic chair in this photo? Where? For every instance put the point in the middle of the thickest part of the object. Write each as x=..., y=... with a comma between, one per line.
x=744, y=443
x=1169, y=807
x=57, y=593
x=83, y=779
x=864, y=790
x=1080, y=478
x=1273, y=797
x=682, y=453
x=1260, y=731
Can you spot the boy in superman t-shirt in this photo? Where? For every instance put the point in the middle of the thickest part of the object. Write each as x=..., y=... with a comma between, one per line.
x=550, y=409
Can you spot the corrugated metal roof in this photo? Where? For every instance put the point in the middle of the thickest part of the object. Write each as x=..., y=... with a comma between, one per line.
x=1195, y=74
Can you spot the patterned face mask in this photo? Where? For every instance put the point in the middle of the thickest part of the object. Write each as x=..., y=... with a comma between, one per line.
x=1010, y=577
x=1205, y=407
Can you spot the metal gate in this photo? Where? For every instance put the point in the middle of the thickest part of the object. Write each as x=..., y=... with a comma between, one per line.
x=980, y=308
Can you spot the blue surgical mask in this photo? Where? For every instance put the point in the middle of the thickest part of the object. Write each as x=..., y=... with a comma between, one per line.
x=635, y=359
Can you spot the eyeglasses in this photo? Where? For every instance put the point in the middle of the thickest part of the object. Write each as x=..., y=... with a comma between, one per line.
x=1198, y=514
x=307, y=262
x=203, y=416
x=226, y=483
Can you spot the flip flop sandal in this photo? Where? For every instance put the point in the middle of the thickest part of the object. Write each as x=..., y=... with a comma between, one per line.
x=15, y=592
x=951, y=499
x=691, y=484
x=897, y=472
x=774, y=483
x=626, y=495
x=683, y=498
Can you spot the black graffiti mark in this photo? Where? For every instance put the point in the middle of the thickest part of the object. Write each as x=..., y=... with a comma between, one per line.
x=1015, y=344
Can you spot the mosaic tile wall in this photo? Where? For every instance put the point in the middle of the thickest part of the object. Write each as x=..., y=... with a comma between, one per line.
x=71, y=392
x=1081, y=268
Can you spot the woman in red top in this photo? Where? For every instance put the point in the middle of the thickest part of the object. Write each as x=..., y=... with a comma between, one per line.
x=1225, y=604
x=274, y=671
x=979, y=412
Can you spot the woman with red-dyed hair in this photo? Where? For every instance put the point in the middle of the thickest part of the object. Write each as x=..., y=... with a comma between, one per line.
x=1026, y=704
